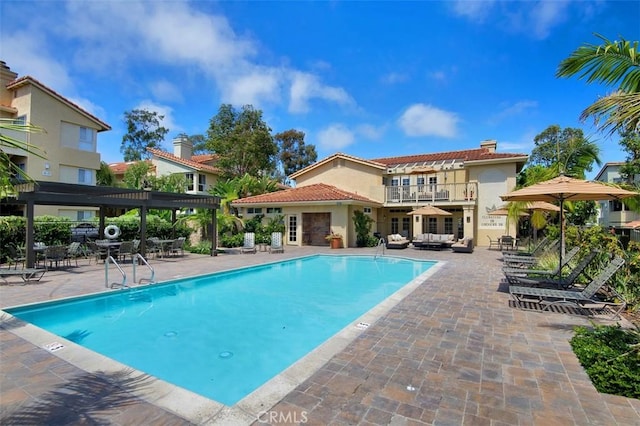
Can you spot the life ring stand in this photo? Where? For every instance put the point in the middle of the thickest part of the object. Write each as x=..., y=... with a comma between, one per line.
x=112, y=232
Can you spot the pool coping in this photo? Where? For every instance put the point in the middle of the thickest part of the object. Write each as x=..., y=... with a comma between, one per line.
x=199, y=409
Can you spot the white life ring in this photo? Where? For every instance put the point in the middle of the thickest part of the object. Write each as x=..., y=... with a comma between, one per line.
x=112, y=232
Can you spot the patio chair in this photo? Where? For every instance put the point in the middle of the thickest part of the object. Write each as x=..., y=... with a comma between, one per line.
x=177, y=246
x=513, y=275
x=95, y=251
x=27, y=274
x=249, y=243
x=15, y=256
x=126, y=249
x=540, y=248
x=74, y=251
x=463, y=246
x=494, y=244
x=56, y=254
x=524, y=295
x=276, y=243
x=153, y=247
x=561, y=282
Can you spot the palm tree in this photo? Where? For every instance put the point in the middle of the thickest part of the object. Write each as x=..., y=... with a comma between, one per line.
x=613, y=62
x=9, y=126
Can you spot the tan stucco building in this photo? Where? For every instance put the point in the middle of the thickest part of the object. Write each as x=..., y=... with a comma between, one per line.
x=467, y=184
x=68, y=145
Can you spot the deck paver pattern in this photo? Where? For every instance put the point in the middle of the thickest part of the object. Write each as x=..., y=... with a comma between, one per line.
x=453, y=352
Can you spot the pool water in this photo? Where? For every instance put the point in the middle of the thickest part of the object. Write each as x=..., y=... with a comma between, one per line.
x=223, y=335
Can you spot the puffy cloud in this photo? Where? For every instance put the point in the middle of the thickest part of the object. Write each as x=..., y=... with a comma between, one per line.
x=394, y=78
x=515, y=109
x=305, y=87
x=426, y=120
x=335, y=137
x=164, y=90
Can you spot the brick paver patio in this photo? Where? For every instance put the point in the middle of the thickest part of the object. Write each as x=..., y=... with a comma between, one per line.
x=452, y=352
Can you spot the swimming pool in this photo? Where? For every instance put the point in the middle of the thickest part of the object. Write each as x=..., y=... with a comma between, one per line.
x=225, y=334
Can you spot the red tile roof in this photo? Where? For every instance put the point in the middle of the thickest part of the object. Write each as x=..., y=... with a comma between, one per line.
x=23, y=81
x=196, y=165
x=310, y=193
x=121, y=168
x=464, y=155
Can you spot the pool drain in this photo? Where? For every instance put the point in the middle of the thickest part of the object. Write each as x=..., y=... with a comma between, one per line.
x=171, y=334
x=225, y=355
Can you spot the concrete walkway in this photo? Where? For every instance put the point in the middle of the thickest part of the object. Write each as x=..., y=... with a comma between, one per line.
x=451, y=352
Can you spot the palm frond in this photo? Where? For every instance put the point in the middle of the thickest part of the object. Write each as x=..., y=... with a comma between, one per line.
x=615, y=113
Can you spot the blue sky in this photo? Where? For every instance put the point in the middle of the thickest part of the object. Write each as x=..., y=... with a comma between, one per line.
x=371, y=79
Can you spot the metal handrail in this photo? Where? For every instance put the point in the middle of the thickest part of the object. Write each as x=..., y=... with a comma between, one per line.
x=380, y=243
x=135, y=262
x=107, y=261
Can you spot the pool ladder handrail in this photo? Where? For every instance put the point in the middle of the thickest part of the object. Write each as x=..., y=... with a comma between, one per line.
x=381, y=243
x=108, y=261
x=151, y=280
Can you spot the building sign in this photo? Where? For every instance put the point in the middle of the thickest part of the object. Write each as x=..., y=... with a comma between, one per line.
x=492, y=183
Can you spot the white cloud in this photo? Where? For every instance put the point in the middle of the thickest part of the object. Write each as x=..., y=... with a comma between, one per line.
x=427, y=120
x=335, y=138
x=254, y=87
x=164, y=90
x=369, y=131
x=394, y=78
x=515, y=109
x=90, y=107
x=545, y=15
x=32, y=59
x=474, y=10
x=305, y=87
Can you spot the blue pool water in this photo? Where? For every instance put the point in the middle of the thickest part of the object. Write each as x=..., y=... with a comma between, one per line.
x=225, y=334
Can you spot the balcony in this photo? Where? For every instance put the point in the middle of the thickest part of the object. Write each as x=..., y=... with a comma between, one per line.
x=446, y=194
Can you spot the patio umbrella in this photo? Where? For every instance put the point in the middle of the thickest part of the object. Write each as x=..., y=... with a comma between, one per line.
x=429, y=210
x=563, y=188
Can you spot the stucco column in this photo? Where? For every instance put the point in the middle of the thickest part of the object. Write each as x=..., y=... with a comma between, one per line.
x=469, y=221
x=416, y=221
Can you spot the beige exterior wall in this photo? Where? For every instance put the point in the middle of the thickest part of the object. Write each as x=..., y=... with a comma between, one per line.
x=493, y=180
x=164, y=168
x=348, y=176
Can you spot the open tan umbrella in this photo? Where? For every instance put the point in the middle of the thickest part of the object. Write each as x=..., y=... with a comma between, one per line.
x=563, y=188
x=633, y=224
x=429, y=210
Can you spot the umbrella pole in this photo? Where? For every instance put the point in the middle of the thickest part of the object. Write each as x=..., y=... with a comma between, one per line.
x=561, y=230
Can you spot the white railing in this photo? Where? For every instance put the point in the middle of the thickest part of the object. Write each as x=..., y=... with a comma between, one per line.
x=432, y=194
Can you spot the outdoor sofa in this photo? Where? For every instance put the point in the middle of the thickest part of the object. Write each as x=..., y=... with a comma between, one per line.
x=464, y=245
x=430, y=240
x=397, y=241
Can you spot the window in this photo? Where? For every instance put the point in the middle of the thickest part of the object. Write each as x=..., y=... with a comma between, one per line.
x=21, y=121
x=394, y=225
x=85, y=176
x=254, y=210
x=406, y=181
x=616, y=206
x=366, y=210
x=293, y=228
x=85, y=141
x=202, y=182
x=395, y=181
x=420, y=182
x=274, y=210
x=406, y=226
x=189, y=178
x=433, y=181
x=433, y=225
x=84, y=215
x=448, y=225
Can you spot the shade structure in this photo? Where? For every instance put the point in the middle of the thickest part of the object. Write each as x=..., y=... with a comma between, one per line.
x=429, y=210
x=565, y=188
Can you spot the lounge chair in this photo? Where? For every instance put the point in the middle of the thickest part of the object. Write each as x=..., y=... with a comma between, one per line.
x=463, y=246
x=249, y=243
x=524, y=295
x=513, y=275
x=276, y=243
x=27, y=274
x=561, y=282
x=540, y=248
x=512, y=260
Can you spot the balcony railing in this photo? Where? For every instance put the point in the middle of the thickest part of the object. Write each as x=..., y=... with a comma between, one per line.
x=432, y=194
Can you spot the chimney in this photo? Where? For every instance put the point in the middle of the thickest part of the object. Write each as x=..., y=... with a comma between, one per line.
x=182, y=147
x=489, y=144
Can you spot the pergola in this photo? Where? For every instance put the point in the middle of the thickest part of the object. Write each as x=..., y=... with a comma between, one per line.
x=65, y=194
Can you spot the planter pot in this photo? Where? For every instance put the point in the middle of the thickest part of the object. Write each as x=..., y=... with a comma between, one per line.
x=336, y=243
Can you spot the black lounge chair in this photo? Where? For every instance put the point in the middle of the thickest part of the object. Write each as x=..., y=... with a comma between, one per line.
x=524, y=295
x=560, y=282
x=513, y=275
x=27, y=274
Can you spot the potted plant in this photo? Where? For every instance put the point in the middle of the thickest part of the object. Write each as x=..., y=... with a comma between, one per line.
x=335, y=240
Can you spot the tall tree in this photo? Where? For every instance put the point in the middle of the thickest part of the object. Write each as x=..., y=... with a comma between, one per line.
x=105, y=176
x=137, y=175
x=243, y=142
x=630, y=171
x=612, y=63
x=294, y=154
x=144, y=131
x=565, y=151
x=198, y=143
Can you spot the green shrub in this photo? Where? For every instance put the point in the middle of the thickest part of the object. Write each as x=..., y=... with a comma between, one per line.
x=610, y=358
x=236, y=240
